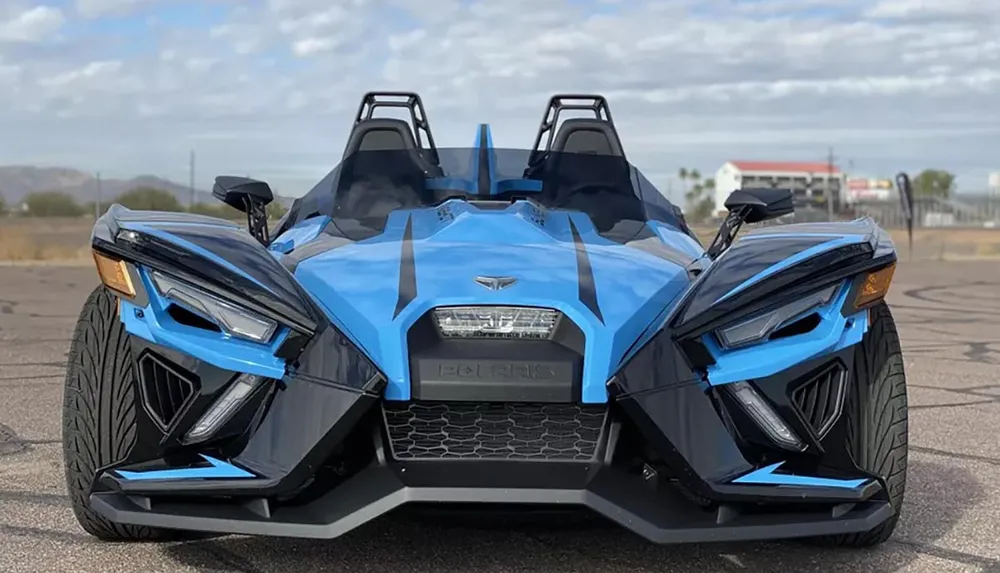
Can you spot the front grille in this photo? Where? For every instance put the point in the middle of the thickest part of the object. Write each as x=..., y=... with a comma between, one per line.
x=165, y=392
x=494, y=431
x=821, y=399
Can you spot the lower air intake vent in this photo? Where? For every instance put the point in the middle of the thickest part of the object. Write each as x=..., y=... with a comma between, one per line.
x=821, y=399
x=165, y=392
x=494, y=431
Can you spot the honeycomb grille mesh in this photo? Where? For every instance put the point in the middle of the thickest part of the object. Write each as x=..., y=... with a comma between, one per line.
x=494, y=431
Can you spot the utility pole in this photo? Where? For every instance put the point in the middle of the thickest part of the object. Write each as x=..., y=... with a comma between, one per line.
x=97, y=204
x=829, y=184
x=191, y=179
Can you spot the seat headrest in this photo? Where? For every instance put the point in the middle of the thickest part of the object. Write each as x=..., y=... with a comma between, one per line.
x=590, y=136
x=381, y=134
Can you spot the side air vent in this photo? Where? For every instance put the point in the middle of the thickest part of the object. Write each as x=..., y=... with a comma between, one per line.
x=821, y=399
x=494, y=431
x=165, y=391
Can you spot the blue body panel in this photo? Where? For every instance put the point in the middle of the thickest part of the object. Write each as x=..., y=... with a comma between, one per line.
x=357, y=283
x=153, y=324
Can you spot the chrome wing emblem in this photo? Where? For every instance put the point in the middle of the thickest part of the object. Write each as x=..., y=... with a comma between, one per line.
x=495, y=283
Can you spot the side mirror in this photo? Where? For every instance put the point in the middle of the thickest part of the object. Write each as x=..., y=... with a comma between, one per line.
x=249, y=196
x=749, y=206
x=758, y=205
x=240, y=192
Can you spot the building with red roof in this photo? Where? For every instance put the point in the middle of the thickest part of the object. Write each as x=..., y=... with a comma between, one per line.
x=808, y=180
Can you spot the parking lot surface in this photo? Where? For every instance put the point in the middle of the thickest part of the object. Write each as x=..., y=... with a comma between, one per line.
x=949, y=321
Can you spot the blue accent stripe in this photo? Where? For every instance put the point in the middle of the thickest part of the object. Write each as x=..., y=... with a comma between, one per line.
x=474, y=162
x=750, y=237
x=299, y=234
x=198, y=250
x=504, y=185
x=217, y=469
x=491, y=159
x=767, y=476
x=793, y=260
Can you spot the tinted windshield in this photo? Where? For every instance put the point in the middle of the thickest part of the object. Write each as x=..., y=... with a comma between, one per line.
x=369, y=185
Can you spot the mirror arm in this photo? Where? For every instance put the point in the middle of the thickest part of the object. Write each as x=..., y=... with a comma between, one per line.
x=727, y=232
x=257, y=220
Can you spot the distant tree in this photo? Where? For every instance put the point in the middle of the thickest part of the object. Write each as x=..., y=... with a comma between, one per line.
x=52, y=204
x=934, y=183
x=90, y=208
x=220, y=210
x=700, y=197
x=3, y=206
x=683, y=174
x=149, y=199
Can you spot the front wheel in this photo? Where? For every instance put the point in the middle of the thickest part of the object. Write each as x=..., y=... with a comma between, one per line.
x=99, y=426
x=877, y=430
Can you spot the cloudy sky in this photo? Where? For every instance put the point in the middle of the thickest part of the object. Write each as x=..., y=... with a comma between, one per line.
x=268, y=87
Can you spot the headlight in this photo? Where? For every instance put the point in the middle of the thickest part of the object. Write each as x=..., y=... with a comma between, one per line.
x=495, y=321
x=230, y=318
x=760, y=326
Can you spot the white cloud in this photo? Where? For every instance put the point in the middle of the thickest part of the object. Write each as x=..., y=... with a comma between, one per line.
x=32, y=25
x=271, y=88
x=98, y=8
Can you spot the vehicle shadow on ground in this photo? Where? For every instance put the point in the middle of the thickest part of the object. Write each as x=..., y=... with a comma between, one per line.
x=408, y=543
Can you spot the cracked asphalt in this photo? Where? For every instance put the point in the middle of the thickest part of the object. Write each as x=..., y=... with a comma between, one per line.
x=949, y=318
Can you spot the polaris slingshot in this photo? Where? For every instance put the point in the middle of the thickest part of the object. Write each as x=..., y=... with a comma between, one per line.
x=486, y=328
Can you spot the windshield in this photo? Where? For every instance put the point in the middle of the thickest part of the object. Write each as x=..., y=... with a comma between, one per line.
x=367, y=186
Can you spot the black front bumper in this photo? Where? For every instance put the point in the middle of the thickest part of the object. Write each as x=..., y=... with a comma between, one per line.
x=661, y=517
x=489, y=455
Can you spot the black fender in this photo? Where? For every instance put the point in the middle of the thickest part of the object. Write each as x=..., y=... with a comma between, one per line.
x=773, y=263
x=212, y=253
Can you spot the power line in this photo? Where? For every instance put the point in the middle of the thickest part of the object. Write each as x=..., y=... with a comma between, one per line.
x=830, y=158
x=191, y=179
x=97, y=204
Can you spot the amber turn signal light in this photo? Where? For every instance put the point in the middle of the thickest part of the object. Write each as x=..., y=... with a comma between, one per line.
x=874, y=287
x=114, y=274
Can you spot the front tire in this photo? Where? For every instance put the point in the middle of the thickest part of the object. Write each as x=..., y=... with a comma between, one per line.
x=99, y=425
x=877, y=426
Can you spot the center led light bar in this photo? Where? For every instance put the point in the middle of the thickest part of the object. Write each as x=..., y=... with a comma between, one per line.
x=496, y=321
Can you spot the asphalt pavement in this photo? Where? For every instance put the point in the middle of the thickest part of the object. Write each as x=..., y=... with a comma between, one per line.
x=949, y=319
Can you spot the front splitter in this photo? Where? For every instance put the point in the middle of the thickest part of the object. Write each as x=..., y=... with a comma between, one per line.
x=659, y=517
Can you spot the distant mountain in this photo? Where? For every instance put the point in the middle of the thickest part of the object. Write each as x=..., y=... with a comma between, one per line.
x=17, y=181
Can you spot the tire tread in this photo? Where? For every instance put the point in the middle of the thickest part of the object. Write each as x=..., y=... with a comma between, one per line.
x=99, y=424
x=877, y=422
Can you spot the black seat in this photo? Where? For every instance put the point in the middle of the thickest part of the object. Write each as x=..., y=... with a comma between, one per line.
x=381, y=134
x=382, y=170
x=589, y=136
x=586, y=170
